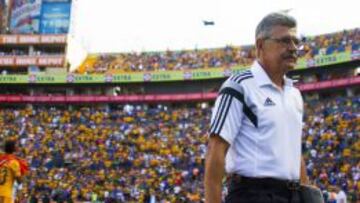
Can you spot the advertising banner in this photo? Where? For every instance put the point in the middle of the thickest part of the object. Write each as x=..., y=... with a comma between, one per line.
x=25, y=16
x=329, y=84
x=355, y=55
x=33, y=39
x=112, y=99
x=55, y=16
x=328, y=59
x=153, y=97
x=155, y=76
x=17, y=61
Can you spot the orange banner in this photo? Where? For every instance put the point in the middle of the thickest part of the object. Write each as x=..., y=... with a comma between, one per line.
x=16, y=61
x=33, y=39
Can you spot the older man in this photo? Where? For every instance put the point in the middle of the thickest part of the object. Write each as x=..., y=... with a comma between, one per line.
x=256, y=127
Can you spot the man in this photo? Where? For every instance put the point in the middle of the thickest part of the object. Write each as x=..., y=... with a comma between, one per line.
x=256, y=126
x=11, y=169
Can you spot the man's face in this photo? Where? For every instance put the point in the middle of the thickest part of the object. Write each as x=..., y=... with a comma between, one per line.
x=279, y=49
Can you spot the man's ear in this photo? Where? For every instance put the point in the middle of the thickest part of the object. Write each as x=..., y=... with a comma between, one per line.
x=259, y=46
x=259, y=43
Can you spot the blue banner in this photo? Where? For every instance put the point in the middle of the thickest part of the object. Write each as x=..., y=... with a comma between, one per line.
x=57, y=1
x=55, y=17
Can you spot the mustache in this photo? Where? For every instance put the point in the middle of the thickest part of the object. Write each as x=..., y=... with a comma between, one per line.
x=293, y=55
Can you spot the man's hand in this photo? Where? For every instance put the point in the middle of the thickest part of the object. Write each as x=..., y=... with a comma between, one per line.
x=304, y=178
x=214, y=168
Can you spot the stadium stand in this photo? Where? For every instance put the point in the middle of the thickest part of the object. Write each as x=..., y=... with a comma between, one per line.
x=128, y=153
x=228, y=56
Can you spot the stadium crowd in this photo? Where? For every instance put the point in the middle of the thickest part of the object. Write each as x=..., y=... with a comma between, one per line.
x=331, y=145
x=228, y=56
x=142, y=153
x=124, y=155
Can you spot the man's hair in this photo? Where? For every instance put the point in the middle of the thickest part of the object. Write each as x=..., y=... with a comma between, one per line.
x=263, y=29
x=9, y=146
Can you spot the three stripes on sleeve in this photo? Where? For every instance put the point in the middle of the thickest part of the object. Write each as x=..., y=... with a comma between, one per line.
x=225, y=100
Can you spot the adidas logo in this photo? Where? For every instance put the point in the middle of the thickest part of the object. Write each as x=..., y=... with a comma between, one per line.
x=269, y=102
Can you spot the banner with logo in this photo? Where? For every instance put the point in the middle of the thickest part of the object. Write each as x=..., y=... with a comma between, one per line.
x=158, y=97
x=120, y=78
x=328, y=59
x=55, y=16
x=40, y=16
x=25, y=16
x=33, y=39
x=18, y=61
x=156, y=76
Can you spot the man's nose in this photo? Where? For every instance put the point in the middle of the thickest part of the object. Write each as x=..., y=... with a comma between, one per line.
x=293, y=46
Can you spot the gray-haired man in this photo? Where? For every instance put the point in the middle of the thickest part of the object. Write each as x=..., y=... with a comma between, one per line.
x=255, y=133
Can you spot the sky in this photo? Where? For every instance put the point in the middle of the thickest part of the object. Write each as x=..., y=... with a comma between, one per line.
x=100, y=26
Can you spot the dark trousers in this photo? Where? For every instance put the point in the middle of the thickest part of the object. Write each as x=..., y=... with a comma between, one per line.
x=262, y=190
